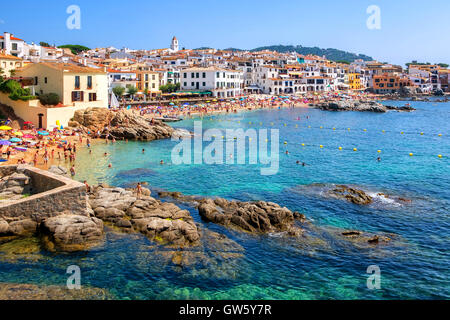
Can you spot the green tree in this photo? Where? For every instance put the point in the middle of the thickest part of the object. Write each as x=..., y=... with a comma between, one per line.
x=44, y=44
x=132, y=90
x=15, y=90
x=12, y=73
x=169, y=88
x=146, y=93
x=119, y=91
x=75, y=48
x=50, y=99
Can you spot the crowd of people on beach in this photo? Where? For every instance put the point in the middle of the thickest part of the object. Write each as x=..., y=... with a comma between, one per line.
x=42, y=148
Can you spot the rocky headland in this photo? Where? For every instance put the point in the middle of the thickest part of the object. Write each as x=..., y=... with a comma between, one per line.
x=120, y=125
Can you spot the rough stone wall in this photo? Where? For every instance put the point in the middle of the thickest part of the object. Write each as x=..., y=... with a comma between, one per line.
x=53, y=195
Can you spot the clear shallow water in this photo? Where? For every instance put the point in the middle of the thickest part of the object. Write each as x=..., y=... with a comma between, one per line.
x=273, y=267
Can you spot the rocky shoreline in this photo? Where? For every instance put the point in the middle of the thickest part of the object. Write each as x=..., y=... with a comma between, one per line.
x=358, y=105
x=167, y=224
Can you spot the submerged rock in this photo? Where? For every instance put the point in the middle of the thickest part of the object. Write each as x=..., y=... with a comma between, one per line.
x=13, y=291
x=351, y=194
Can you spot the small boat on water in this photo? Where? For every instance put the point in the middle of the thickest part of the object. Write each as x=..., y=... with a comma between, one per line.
x=168, y=119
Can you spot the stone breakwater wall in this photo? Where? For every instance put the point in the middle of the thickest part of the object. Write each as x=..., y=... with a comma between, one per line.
x=51, y=195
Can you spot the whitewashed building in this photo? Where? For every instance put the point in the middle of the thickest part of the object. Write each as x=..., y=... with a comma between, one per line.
x=222, y=83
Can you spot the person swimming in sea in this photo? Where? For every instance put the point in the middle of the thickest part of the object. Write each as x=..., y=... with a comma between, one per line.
x=379, y=159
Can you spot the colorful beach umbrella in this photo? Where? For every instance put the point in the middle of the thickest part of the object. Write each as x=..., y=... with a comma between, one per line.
x=5, y=128
x=5, y=143
x=15, y=140
x=43, y=133
x=19, y=134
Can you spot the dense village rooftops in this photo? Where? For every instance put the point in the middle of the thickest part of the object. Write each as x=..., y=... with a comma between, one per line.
x=69, y=68
x=119, y=71
x=200, y=69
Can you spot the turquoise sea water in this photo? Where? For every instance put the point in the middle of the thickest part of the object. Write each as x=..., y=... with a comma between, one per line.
x=273, y=267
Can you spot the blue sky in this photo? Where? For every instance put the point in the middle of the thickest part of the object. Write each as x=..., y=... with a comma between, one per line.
x=410, y=29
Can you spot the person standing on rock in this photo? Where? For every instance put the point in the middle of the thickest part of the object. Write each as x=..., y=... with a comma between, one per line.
x=138, y=190
x=72, y=171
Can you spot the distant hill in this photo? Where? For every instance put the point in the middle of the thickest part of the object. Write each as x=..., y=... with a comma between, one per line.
x=330, y=53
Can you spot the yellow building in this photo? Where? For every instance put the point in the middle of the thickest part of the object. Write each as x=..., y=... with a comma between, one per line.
x=77, y=86
x=9, y=63
x=354, y=81
x=147, y=80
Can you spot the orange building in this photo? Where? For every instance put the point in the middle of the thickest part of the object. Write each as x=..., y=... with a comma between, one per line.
x=389, y=83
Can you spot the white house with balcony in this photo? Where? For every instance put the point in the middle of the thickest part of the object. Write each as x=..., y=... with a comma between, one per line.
x=222, y=83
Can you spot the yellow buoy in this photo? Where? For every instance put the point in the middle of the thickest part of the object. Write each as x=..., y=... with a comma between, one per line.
x=334, y=128
x=285, y=125
x=383, y=131
x=402, y=132
x=321, y=146
x=379, y=151
x=421, y=133
x=285, y=142
x=365, y=129
x=411, y=154
x=354, y=149
x=303, y=144
x=439, y=155
x=348, y=129
x=340, y=148
x=321, y=127
x=439, y=135
x=309, y=126
x=223, y=137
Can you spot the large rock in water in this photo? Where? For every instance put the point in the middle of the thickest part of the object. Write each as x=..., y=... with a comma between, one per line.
x=351, y=194
x=71, y=233
x=255, y=217
x=121, y=125
x=351, y=105
x=160, y=221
